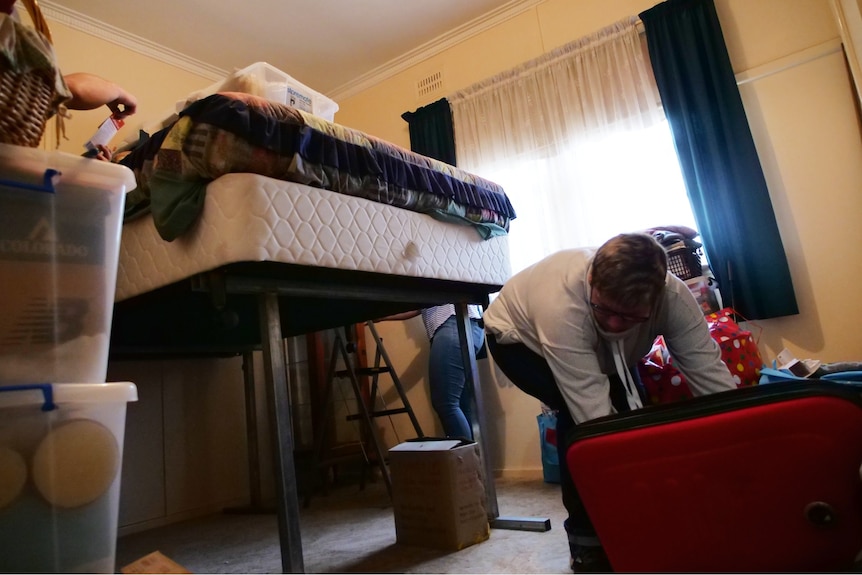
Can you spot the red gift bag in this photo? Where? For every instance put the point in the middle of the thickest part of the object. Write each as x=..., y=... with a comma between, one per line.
x=665, y=383
x=662, y=382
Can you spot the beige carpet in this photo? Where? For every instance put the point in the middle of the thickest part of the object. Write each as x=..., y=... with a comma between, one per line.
x=353, y=531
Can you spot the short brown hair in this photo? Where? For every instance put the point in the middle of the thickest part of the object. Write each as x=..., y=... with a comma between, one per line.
x=630, y=270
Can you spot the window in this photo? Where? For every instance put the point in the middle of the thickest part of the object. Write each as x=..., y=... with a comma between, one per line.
x=580, y=143
x=612, y=183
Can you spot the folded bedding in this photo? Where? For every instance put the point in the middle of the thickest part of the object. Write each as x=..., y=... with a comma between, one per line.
x=233, y=132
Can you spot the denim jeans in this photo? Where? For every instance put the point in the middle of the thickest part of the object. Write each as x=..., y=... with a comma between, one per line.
x=531, y=373
x=451, y=398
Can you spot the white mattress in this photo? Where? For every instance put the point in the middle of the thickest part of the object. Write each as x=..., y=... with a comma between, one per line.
x=248, y=217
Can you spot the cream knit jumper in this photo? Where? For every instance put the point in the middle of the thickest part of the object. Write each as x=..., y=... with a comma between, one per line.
x=546, y=307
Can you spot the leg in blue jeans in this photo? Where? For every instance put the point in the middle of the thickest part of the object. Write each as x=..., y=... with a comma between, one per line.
x=450, y=398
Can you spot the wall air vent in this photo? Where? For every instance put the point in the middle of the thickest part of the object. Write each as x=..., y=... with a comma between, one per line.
x=429, y=84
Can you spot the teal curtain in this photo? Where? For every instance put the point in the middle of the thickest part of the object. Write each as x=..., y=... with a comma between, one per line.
x=431, y=132
x=722, y=172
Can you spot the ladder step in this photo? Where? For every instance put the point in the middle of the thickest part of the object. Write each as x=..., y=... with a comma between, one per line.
x=363, y=371
x=381, y=413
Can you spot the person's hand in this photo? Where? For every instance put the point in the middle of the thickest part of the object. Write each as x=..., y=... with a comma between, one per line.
x=104, y=153
x=100, y=152
x=124, y=105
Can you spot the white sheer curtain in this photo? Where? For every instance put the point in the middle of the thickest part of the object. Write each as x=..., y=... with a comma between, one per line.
x=578, y=140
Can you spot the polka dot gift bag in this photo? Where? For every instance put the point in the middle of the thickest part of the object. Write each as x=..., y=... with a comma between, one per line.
x=664, y=383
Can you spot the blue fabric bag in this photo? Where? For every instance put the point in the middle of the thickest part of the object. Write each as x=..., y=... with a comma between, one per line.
x=772, y=375
x=844, y=376
x=548, y=440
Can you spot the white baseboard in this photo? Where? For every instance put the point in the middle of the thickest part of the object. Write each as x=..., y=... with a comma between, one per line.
x=178, y=517
x=530, y=473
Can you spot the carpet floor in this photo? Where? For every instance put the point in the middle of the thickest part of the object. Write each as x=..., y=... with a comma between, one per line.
x=352, y=530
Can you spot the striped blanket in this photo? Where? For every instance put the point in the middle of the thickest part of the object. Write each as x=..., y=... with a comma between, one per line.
x=233, y=132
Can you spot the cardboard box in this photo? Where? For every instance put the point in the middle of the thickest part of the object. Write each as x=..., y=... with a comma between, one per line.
x=704, y=291
x=61, y=452
x=60, y=227
x=155, y=562
x=438, y=494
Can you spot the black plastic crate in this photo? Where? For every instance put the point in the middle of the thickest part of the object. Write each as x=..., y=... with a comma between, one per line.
x=684, y=262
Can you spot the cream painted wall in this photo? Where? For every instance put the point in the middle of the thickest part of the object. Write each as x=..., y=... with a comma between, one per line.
x=156, y=85
x=809, y=144
x=185, y=445
x=807, y=134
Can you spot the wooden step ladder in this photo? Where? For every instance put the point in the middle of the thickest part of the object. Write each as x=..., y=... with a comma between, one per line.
x=344, y=347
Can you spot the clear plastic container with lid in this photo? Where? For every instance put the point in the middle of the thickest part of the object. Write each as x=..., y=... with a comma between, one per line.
x=60, y=225
x=61, y=452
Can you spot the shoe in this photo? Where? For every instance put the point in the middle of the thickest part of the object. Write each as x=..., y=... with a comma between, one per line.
x=590, y=560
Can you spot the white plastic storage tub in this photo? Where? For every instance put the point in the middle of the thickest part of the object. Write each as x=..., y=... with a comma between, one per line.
x=265, y=80
x=61, y=452
x=60, y=224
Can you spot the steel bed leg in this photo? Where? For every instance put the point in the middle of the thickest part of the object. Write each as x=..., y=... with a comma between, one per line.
x=278, y=399
x=255, y=504
x=479, y=426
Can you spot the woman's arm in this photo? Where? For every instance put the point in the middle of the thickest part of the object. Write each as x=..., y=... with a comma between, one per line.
x=399, y=316
x=90, y=92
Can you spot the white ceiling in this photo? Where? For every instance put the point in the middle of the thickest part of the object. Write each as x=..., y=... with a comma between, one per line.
x=329, y=45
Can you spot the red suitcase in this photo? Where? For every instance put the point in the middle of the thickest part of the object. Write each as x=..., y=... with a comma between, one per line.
x=757, y=479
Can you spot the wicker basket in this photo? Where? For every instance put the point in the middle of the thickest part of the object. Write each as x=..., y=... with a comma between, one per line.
x=27, y=97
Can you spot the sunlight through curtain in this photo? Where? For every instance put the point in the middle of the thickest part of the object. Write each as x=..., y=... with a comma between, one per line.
x=578, y=140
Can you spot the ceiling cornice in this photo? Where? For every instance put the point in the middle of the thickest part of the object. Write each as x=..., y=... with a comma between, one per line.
x=433, y=47
x=104, y=31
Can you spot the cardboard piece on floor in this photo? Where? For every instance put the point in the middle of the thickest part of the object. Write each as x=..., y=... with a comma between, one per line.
x=155, y=562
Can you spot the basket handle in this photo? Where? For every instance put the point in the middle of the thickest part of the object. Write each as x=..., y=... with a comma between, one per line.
x=39, y=22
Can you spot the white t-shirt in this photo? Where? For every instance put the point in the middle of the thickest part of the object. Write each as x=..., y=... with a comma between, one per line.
x=433, y=317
